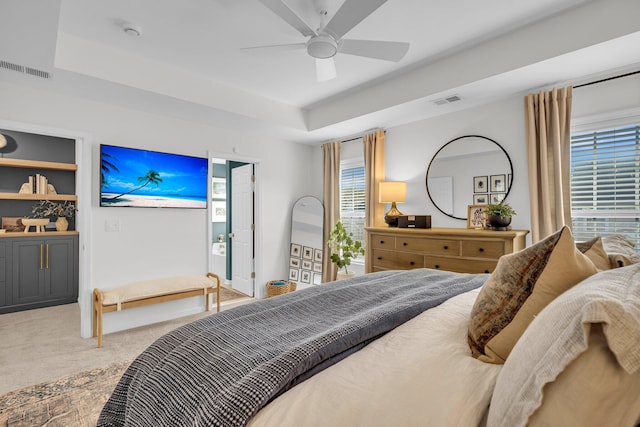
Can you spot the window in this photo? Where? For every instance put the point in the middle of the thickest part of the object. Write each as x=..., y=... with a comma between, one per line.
x=352, y=200
x=605, y=183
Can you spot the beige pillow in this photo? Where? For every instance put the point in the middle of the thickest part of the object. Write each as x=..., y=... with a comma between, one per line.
x=522, y=284
x=578, y=363
x=594, y=250
x=620, y=250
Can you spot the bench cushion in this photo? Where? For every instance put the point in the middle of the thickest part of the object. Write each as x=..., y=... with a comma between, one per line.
x=151, y=288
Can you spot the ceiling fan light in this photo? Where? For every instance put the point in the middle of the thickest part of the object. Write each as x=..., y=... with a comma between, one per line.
x=325, y=69
x=322, y=47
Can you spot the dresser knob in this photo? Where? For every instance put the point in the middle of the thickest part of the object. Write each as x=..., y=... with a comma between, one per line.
x=382, y=242
x=412, y=263
x=481, y=249
x=437, y=266
x=487, y=271
x=404, y=243
x=379, y=258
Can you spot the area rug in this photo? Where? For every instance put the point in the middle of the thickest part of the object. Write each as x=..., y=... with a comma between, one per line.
x=72, y=401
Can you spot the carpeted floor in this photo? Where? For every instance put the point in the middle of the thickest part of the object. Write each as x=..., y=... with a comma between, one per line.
x=71, y=401
x=65, y=396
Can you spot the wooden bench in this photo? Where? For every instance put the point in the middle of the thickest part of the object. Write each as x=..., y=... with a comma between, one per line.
x=148, y=292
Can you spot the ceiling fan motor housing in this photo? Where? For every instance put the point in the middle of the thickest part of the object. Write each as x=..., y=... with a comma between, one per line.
x=322, y=46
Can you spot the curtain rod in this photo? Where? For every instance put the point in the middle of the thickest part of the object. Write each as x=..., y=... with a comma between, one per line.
x=607, y=79
x=355, y=138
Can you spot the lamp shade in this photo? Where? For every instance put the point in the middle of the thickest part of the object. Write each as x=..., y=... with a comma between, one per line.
x=393, y=191
x=3, y=141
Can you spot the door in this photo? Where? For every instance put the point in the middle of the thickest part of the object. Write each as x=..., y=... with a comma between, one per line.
x=60, y=268
x=242, y=229
x=28, y=281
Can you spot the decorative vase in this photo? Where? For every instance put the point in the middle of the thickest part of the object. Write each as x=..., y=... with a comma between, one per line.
x=342, y=275
x=62, y=224
x=498, y=221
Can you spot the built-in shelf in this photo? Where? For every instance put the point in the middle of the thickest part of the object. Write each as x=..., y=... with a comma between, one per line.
x=35, y=234
x=23, y=196
x=37, y=164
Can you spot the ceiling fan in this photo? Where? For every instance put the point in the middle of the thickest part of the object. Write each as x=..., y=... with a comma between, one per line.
x=325, y=42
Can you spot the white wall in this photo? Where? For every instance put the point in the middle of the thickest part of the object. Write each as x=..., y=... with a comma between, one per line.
x=409, y=148
x=159, y=242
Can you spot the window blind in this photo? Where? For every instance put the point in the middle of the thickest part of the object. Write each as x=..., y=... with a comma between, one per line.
x=605, y=183
x=352, y=200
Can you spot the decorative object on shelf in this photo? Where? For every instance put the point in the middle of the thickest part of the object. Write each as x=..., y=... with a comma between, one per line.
x=12, y=224
x=499, y=215
x=54, y=209
x=3, y=141
x=38, y=223
x=343, y=249
x=477, y=217
x=393, y=192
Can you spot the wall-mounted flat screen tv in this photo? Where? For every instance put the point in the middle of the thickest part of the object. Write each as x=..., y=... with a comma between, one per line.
x=133, y=177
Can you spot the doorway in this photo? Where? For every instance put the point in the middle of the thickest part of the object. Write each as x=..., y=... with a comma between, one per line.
x=234, y=225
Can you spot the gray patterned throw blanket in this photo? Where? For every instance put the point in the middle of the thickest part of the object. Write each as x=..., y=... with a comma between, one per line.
x=222, y=369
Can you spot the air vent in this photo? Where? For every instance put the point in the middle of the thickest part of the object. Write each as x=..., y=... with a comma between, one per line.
x=25, y=70
x=447, y=100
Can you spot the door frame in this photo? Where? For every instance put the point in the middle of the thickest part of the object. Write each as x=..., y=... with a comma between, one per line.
x=258, y=238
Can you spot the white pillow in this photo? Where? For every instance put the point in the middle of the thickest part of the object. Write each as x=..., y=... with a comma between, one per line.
x=559, y=335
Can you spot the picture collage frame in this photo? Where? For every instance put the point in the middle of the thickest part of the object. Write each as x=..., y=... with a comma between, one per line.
x=490, y=189
x=305, y=264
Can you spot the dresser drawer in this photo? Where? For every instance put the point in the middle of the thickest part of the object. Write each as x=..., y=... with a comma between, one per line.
x=382, y=241
x=461, y=265
x=431, y=246
x=391, y=260
x=482, y=249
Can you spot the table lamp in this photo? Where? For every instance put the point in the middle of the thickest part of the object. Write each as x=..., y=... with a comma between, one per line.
x=393, y=192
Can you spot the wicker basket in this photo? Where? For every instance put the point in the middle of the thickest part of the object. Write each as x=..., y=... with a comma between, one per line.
x=279, y=287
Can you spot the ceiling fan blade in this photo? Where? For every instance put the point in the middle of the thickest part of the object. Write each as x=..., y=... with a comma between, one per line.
x=388, y=51
x=285, y=12
x=350, y=14
x=325, y=69
x=278, y=47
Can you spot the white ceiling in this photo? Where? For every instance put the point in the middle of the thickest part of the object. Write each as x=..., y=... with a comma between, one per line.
x=189, y=62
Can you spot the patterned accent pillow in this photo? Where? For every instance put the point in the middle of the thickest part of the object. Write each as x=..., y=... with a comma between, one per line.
x=594, y=250
x=522, y=284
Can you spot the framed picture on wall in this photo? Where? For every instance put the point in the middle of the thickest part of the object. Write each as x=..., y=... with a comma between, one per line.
x=293, y=274
x=479, y=184
x=306, y=264
x=317, y=255
x=218, y=188
x=476, y=217
x=480, y=199
x=306, y=276
x=294, y=262
x=296, y=250
x=497, y=198
x=219, y=211
x=498, y=183
x=307, y=252
x=317, y=267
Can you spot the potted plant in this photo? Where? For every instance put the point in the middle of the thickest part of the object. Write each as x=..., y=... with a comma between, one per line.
x=52, y=209
x=343, y=249
x=499, y=214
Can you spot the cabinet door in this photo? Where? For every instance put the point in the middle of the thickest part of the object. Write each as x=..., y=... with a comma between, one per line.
x=3, y=272
x=28, y=271
x=59, y=268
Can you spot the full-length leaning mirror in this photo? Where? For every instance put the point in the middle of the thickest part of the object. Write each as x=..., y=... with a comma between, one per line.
x=306, y=251
x=468, y=170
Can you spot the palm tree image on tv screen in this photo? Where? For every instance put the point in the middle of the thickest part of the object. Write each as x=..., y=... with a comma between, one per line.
x=131, y=177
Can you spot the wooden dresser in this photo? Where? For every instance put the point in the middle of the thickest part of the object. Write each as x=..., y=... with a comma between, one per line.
x=454, y=249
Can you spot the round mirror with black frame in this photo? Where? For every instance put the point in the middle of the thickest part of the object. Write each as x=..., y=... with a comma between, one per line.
x=468, y=170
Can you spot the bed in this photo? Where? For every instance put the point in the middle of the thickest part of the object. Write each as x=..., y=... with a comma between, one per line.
x=411, y=348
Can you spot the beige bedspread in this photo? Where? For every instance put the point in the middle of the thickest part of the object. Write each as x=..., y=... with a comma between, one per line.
x=419, y=374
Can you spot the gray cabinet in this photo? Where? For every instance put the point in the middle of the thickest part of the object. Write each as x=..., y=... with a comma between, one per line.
x=40, y=271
